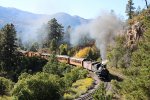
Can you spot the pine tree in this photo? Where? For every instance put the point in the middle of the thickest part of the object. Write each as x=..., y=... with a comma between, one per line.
x=1, y=39
x=63, y=49
x=55, y=31
x=34, y=47
x=67, y=35
x=53, y=46
x=8, y=50
x=146, y=4
x=130, y=9
x=90, y=54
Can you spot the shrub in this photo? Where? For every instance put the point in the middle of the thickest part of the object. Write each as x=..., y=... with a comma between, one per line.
x=41, y=86
x=78, y=88
x=5, y=86
x=101, y=94
x=68, y=96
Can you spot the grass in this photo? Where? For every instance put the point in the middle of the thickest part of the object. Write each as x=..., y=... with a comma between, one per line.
x=78, y=88
x=5, y=98
x=117, y=71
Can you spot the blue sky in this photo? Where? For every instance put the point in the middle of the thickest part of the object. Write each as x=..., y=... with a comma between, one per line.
x=83, y=8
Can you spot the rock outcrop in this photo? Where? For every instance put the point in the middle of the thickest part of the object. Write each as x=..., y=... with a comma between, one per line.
x=134, y=33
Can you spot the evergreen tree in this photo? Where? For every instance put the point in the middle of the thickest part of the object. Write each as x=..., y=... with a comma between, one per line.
x=53, y=45
x=55, y=31
x=90, y=54
x=130, y=9
x=146, y=4
x=138, y=11
x=1, y=39
x=20, y=44
x=63, y=49
x=67, y=35
x=34, y=47
x=8, y=49
x=136, y=84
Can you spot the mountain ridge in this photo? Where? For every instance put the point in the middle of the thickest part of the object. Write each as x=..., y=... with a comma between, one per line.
x=19, y=17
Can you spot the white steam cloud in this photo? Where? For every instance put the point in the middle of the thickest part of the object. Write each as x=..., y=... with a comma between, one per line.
x=33, y=31
x=103, y=29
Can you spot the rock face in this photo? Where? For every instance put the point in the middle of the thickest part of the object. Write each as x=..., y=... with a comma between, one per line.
x=134, y=33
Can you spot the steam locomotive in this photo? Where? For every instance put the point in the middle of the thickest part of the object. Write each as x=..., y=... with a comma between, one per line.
x=96, y=67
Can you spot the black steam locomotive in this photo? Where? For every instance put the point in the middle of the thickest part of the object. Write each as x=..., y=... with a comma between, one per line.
x=101, y=71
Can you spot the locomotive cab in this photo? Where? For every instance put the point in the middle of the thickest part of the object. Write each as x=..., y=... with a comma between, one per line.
x=102, y=71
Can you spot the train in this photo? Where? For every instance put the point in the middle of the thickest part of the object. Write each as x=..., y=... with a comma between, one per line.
x=96, y=67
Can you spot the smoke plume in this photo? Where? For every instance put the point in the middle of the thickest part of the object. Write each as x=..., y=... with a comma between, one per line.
x=33, y=31
x=103, y=29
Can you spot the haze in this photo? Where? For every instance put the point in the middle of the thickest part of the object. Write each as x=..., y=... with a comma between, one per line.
x=83, y=8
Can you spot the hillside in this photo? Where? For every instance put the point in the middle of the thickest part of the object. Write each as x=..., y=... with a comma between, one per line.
x=133, y=61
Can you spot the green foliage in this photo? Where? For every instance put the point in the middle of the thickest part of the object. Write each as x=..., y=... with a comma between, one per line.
x=30, y=64
x=55, y=31
x=68, y=96
x=53, y=46
x=141, y=58
x=100, y=93
x=6, y=86
x=75, y=74
x=72, y=51
x=54, y=67
x=63, y=49
x=119, y=56
x=6, y=98
x=139, y=76
x=130, y=9
x=78, y=88
x=24, y=76
x=34, y=47
x=136, y=86
x=8, y=48
x=41, y=86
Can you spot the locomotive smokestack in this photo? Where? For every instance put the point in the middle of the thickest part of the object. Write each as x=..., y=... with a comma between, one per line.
x=104, y=62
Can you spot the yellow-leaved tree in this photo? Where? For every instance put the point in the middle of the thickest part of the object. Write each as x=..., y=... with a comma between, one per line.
x=83, y=53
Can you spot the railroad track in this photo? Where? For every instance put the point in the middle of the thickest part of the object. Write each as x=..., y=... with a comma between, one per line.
x=88, y=95
x=107, y=86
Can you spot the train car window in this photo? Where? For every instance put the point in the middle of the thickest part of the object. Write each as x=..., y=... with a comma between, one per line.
x=98, y=65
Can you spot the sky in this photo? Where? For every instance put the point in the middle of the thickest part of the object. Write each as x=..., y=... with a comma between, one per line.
x=84, y=8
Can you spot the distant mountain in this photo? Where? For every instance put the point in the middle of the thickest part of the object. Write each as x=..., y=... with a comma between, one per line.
x=28, y=24
x=66, y=19
x=22, y=19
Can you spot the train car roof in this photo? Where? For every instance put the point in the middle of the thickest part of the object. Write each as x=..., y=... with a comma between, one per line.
x=93, y=63
x=62, y=56
x=45, y=54
x=82, y=59
x=22, y=51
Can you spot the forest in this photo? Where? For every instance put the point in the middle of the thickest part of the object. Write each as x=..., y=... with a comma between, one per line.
x=36, y=78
